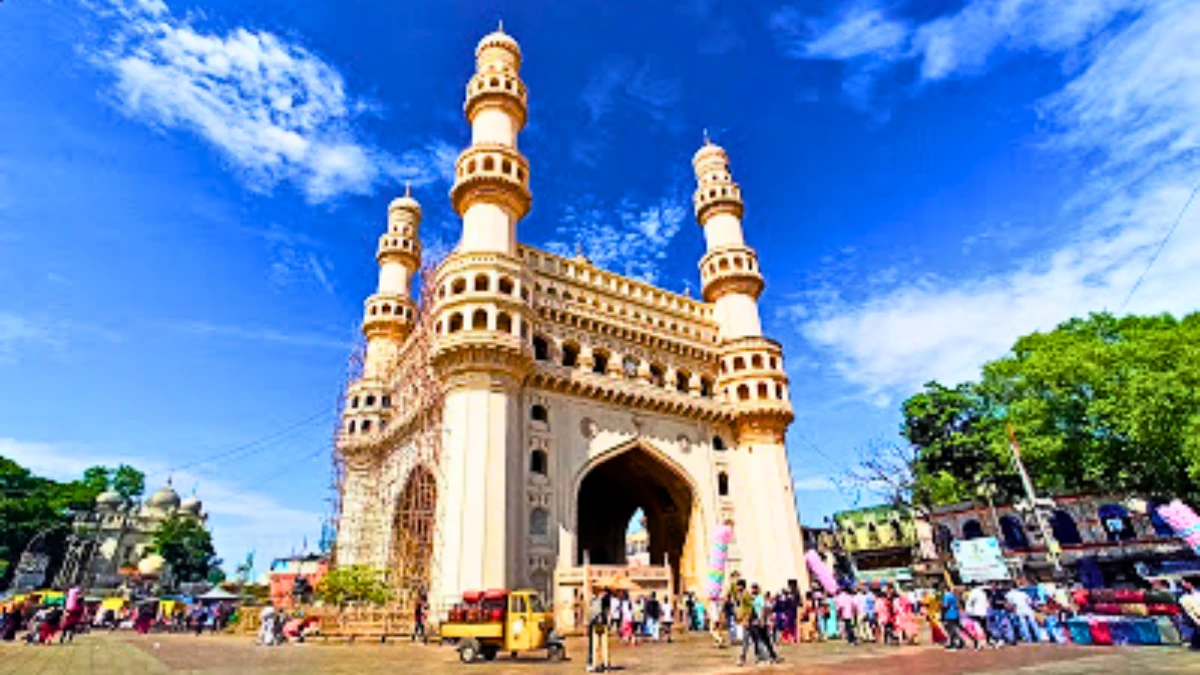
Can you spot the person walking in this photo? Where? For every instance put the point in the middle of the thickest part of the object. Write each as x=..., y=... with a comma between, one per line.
x=1022, y=614
x=628, y=634
x=598, y=627
x=419, y=609
x=667, y=621
x=653, y=612
x=844, y=606
x=976, y=608
x=951, y=620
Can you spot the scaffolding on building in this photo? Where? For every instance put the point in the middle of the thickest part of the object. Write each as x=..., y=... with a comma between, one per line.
x=400, y=508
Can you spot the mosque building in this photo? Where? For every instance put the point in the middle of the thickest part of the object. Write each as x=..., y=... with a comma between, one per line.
x=567, y=397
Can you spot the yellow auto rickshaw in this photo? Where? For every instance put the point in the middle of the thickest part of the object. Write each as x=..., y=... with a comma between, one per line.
x=487, y=623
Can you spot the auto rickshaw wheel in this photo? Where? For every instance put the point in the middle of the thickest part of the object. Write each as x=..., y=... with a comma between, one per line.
x=468, y=650
x=555, y=652
x=489, y=652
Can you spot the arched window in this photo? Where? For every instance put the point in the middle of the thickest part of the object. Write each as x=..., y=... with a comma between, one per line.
x=706, y=389
x=630, y=366
x=1161, y=527
x=504, y=322
x=459, y=286
x=570, y=355
x=972, y=529
x=541, y=348
x=599, y=362
x=1064, y=528
x=1014, y=533
x=456, y=322
x=739, y=363
x=506, y=285
x=479, y=320
x=354, y=402
x=350, y=429
x=538, y=462
x=657, y=375
x=539, y=522
x=366, y=425
x=763, y=392
x=386, y=401
x=482, y=282
x=942, y=538
x=723, y=484
x=756, y=361
x=1117, y=526
x=681, y=380
x=743, y=393
x=538, y=413
x=718, y=443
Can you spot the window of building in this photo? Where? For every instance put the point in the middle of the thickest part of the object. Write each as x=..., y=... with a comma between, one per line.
x=972, y=529
x=504, y=322
x=541, y=348
x=538, y=413
x=570, y=355
x=1014, y=533
x=537, y=462
x=723, y=484
x=1117, y=526
x=456, y=323
x=718, y=443
x=539, y=522
x=1064, y=528
x=482, y=282
x=600, y=362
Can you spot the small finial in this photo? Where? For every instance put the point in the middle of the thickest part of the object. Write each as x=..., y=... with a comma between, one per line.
x=707, y=141
x=501, y=28
x=408, y=188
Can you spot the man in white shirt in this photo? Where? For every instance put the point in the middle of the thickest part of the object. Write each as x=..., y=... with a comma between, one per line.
x=976, y=607
x=1023, y=615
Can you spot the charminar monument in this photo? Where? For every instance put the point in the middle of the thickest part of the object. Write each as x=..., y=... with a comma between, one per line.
x=504, y=433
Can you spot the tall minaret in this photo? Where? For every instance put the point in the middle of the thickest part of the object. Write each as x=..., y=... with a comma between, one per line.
x=752, y=380
x=388, y=319
x=491, y=189
x=482, y=349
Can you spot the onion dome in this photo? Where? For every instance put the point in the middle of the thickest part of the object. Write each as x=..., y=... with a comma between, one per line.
x=109, y=500
x=406, y=203
x=499, y=38
x=166, y=498
x=151, y=566
x=191, y=505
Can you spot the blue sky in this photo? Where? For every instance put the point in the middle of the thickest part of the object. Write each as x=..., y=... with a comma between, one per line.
x=190, y=194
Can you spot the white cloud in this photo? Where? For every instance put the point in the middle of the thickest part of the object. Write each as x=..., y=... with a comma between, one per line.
x=860, y=30
x=622, y=85
x=1130, y=112
x=20, y=333
x=631, y=239
x=241, y=520
x=268, y=335
x=276, y=111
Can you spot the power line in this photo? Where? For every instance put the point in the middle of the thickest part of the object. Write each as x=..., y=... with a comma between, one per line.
x=1161, y=246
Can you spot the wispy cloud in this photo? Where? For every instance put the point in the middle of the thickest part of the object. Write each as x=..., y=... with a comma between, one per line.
x=1131, y=112
x=630, y=239
x=22, y=333
x=621, y=84
x=268, y=335
x=815, y=484
x=242, y=518
x=275, y=110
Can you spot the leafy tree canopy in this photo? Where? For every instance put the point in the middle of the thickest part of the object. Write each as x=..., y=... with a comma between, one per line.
x=187, y=549
x=1098, y=404
x=354, y=583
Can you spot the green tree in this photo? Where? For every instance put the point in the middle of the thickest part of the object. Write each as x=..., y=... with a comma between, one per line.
x=354, y=583
x=1098, y=404
x=97, y=477
x=186, y=547
x=128, y=482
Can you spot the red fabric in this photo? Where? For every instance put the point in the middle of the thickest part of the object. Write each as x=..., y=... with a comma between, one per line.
x=495, y=594
x=1163, y=610
x=1101, y=635
x=1109, y=609
x=472, y=597
x=1124, y=595
x=1080, y=597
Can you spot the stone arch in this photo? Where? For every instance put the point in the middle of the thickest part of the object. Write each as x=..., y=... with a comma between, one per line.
x=614, y=484
x=413, y=522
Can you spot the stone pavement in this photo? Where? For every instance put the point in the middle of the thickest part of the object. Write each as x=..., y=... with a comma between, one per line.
x=128, y=654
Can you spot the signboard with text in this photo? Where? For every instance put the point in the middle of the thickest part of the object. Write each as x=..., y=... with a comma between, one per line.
x=980, y=560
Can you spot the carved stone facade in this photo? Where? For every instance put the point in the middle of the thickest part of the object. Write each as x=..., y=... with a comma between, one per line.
x=572, y=396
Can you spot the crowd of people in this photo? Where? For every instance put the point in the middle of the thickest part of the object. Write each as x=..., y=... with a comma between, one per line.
x=979, y=616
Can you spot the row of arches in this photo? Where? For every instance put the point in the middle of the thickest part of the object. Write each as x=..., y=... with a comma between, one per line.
x=756, y=362
x=604, y=362
x=1115, y=522
x=494, y=82
x=481, y=319
x=368, y=401
x=762, y=391
x=480, y=283
x=491, y=163
x=724, y=261
x=620, y=310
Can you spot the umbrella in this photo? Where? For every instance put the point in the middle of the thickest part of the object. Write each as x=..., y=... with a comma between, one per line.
x=217, y=594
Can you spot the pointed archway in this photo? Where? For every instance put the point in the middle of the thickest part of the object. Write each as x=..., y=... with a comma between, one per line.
x=614, y=487
x=412, y=534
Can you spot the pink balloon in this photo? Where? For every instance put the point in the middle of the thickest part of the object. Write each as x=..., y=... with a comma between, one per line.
x=821, y=571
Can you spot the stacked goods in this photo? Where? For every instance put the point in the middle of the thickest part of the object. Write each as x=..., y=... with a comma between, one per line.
x=717, y=560
x=479, y=606
x=1124, y=616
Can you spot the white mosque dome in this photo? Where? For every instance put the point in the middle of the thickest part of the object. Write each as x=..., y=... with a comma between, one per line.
x=191, y=505
x=109, y=499
x=166, y=498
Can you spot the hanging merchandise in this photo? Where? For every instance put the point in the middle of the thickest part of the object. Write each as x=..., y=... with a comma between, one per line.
x=1184, y=521
x=821, y=571
x=717, y=560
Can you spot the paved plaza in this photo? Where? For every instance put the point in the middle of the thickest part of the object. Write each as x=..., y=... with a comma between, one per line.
x=127, y=654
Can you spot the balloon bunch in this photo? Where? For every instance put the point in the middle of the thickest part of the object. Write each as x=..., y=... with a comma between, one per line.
x=1184, y=521
x=821, y=571
x=717, y=561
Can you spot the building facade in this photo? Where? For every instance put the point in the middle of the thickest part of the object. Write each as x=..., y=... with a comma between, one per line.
x=110, y=544
x=568, y=396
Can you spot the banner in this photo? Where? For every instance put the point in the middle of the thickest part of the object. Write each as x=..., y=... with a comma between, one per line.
x=979, y=560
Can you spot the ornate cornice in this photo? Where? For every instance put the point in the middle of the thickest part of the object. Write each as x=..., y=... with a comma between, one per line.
x=630, y=393
x=492, y=173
